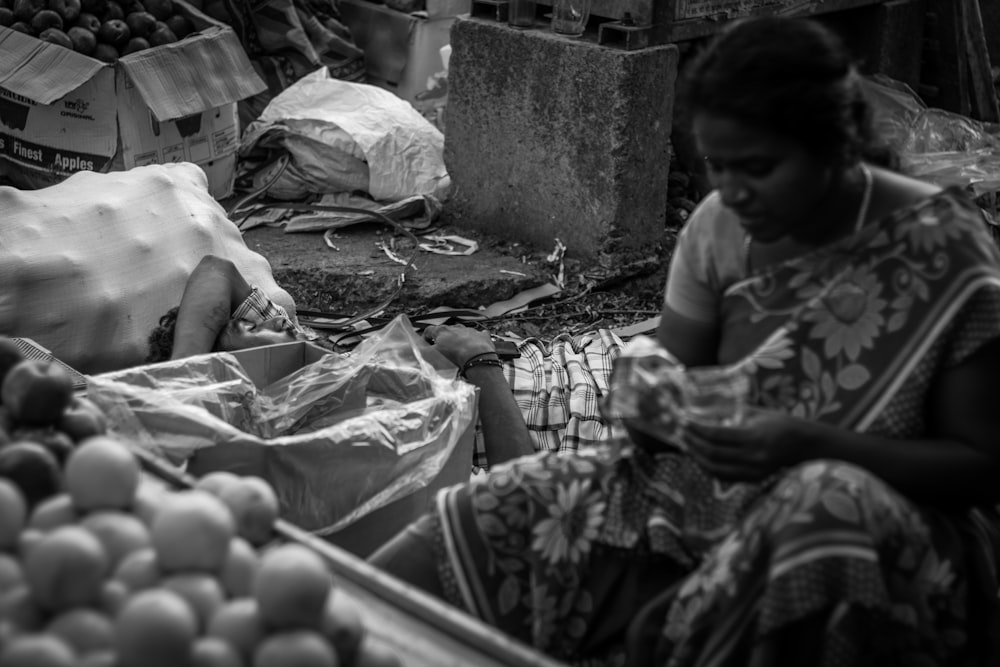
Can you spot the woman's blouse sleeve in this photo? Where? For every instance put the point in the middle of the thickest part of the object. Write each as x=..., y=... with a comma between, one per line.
x=692, y=286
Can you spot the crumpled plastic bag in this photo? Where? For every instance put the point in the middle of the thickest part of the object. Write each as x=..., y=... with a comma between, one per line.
x=337, y=438
x=936, y=145
x=344, y=137
x=657, y=395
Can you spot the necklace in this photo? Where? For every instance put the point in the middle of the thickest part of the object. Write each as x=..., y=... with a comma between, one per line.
x=866, y=200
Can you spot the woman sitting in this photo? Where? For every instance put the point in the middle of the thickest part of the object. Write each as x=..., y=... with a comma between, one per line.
x=849, y=518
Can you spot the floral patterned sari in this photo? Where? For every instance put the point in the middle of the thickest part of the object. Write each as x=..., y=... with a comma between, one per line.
x=616, y=554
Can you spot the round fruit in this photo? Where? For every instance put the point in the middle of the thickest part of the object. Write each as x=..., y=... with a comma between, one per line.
x=36, y=392
x=148, y=500
x=374, y=653
x=121, y=534
x=302, y=648
x=114, y=595
x=202, y=592
x=10, y=353
x=29, y=538
x=33, y=469
x=102, y=473
x=84, y=630
x=13, y=515
x=191, y=533
x=56, y=36
x=254, y=505
x=238, y=623
x=25, y=10
x=291, y=587
x=98, y=659
x=179, y=25
x=11, y=573
x=55, y=441
x=114, y=32
x=19, y=607
x=139, y=570
x=342, y=625
x=52, y=513
x=161, y=9
x=135, y=45
x=82, y=419
x=141, y=24
x=155, y=628
x=21, y=26
x=215, y=482
x=46, y=19
x=7, y=19
x=240, y=569
x=66, y=569
x=37, y=651
x=113, y=12
x=69, y=10
x=161, y=36
x=106, y=53
x=213, y=652
x=89, y=21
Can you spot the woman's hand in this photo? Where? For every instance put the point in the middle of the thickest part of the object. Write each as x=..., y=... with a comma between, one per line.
x=764, y=443
x=459, y=343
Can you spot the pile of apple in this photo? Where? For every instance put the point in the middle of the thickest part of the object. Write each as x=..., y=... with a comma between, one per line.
x=103, y=29
x=101, y=566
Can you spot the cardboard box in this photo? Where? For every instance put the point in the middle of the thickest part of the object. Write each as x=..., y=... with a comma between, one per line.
x=402, y=51
x=265, y=365
x=63, y=112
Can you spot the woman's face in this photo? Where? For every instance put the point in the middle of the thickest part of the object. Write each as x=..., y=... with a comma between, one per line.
x=769, y=181
x=243, y=334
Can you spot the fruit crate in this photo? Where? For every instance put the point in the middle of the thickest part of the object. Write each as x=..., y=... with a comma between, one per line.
x=423, y=631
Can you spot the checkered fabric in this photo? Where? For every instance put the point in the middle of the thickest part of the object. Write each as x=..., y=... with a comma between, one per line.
x=558, y=388
x=258, y=308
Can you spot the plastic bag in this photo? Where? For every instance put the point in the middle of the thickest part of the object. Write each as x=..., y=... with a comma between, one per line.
x=336, y=438
x=657, y=395
x=343, y=136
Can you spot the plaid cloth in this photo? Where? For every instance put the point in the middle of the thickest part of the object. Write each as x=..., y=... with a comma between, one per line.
x=258, y=308
x=559, y=388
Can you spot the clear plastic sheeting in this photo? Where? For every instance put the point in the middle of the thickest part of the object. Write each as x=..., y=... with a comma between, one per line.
x=337, y=438
x=939, y=146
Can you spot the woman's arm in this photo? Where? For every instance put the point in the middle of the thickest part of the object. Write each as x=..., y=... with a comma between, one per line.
x=505, y=434
x=214, y=288
x=957, y=465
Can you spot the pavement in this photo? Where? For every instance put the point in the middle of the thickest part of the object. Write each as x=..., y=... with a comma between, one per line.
x=353, y=274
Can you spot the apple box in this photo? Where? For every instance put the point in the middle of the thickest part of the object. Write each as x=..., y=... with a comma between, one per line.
x=62, y=112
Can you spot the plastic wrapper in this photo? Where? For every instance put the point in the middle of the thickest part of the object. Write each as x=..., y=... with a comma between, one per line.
x=653, y=393
x=345, y=137
x=337, y=438
x=938, y=146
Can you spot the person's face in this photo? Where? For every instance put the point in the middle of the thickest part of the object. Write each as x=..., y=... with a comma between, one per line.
x=242, y=334
x=769, y=181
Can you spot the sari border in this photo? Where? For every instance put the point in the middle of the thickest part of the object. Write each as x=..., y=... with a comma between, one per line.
x=936, y=322
x=455, y=545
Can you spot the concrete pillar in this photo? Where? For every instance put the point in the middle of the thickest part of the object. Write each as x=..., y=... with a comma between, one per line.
x=552, y=137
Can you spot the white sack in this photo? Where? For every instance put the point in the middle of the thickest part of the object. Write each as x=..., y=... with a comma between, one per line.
x=343, y=136
x=88, y=266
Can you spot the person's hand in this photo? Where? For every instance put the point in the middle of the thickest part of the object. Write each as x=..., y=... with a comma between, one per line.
x=459, y=343
x=764, y=443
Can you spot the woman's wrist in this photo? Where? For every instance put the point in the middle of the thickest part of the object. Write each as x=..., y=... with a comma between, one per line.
x=482, y=360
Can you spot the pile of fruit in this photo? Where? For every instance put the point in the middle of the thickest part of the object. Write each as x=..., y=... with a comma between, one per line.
x=101, y=566
x=102, y=29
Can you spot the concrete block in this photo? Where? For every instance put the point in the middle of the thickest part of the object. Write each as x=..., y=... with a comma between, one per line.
x=553, y=137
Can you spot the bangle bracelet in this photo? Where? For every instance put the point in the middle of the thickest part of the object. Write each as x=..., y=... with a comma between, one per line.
x=482, y=359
